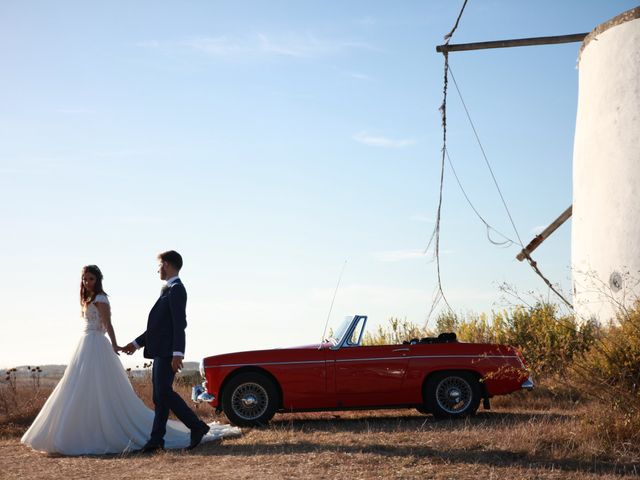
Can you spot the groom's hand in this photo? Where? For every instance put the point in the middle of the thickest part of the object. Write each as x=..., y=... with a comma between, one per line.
x=176, y=363
x=129, y=348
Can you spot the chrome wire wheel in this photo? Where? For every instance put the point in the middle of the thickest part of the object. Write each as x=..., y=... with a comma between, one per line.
x=454, y=395
x=249, y=400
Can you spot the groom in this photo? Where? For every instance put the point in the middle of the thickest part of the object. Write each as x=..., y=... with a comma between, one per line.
x=164, y=342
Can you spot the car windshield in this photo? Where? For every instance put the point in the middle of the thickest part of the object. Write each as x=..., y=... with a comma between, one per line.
x=336, y=334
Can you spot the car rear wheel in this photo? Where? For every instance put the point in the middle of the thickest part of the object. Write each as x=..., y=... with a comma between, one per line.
x=250, y=399
x=452, y=394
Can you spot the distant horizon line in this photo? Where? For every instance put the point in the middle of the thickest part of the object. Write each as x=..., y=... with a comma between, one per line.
x=25, y=369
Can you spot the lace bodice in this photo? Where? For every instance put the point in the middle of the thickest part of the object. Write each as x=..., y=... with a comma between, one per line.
x=92, y=315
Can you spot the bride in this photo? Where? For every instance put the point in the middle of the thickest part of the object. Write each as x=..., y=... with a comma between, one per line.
x=93, y=409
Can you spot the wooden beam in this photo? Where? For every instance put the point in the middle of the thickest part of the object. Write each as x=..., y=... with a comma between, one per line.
x=538, y=239
x=517, y=42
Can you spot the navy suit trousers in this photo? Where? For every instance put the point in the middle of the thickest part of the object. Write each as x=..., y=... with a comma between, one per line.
x=165, y=400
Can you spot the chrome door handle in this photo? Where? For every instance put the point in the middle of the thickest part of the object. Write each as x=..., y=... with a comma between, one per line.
x=400, y=350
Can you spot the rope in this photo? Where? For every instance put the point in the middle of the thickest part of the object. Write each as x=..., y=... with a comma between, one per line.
x=507, y=241
x=439, y=295
x=486, y=160
x=436, y=230
x=448, y=36
x=435, y=236
x=530, y=260
x=534, y=265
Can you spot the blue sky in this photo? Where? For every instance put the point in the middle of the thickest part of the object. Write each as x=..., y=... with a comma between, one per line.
x=268, y=142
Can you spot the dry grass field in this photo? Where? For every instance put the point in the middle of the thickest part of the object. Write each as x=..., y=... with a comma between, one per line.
x=528, y=435
x=581, y=422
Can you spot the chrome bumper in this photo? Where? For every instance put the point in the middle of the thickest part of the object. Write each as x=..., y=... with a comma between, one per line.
x=527, y=384
x=199, y=394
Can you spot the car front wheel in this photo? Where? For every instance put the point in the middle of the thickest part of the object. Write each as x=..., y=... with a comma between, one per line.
x=452, y=394
x=250, y=399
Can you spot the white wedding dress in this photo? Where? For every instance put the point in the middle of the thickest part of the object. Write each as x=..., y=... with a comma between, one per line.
x=94, y=410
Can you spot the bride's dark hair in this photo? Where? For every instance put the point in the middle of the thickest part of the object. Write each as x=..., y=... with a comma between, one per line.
x=85, y=295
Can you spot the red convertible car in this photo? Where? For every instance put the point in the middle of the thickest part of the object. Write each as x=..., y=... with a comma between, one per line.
x=435, y=375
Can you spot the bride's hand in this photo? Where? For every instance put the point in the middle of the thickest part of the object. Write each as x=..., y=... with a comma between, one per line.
x=116, y=349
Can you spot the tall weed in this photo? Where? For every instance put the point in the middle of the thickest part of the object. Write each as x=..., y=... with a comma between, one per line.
x=610, y=372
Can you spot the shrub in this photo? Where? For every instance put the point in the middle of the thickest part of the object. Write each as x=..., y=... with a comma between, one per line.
x=549, y=341
x=21, y=398
x=395, y=333
x=614, y=361
x=610, y=372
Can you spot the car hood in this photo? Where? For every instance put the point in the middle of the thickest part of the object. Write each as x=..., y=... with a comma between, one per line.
x=271, y=355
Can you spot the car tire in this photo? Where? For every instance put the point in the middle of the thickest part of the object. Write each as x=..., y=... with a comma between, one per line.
x=452, y=394
x=250, y=400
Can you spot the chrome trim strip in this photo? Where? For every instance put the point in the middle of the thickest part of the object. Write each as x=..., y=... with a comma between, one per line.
x=422, y=356
x=264, y=363
x=344, y=360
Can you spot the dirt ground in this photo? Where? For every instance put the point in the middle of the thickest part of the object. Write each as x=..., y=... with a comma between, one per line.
x=367, y=444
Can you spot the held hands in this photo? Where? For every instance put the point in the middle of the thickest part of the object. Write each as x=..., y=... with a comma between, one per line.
x=129, y=349
x=176, y=362
x=116, y=349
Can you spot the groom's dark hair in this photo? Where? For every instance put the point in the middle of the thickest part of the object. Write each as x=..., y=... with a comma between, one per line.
x=172, y=257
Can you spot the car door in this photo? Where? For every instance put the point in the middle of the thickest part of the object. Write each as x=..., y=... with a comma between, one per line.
x=368, y=375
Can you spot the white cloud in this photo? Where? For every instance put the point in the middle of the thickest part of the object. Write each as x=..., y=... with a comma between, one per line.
x=294, y=45
x=285, y=48
x=399, y=255
x=537, y=230
x=215, y=47
x=358, y=76
x=379, y=141
x=306, y=45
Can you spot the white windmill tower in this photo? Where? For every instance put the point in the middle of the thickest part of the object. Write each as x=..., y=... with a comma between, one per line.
x=605, y=236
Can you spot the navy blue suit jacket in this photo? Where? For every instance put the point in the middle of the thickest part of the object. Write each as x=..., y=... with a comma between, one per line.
x=166, y=324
